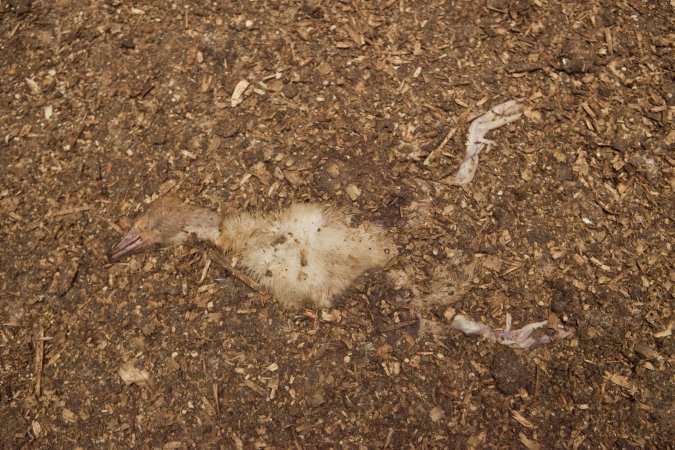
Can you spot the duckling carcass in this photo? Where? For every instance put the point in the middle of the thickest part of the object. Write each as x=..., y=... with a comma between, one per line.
x=304, y=254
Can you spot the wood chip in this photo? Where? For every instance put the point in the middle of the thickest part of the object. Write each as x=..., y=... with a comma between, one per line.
x=353, y=191
x=620, y=380
x=521, y=419
x=216, y=400
x=356, y=37
x=65, y=212
x=437, y=151
x=214, y=144
x=449, y=313
x=33, y=86
x=68, y=415
x=130, y=374
x=238, y=93
x=205, y=271
x=39, y=344
x=254, y=387
x=665, y=333
x=259, y=170
x=528, y=443
x=241, y=276
x=436, y=413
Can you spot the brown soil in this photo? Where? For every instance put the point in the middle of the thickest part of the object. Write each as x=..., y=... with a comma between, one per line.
x=570, y=217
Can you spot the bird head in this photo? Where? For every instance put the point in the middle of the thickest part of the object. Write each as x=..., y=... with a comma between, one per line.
x=168, y=221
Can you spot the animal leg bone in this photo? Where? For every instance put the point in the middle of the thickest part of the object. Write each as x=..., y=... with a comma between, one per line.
x=498, y=116
x=520, y=338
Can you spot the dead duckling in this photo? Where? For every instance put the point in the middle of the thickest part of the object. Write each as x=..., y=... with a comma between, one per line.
x=303, y=254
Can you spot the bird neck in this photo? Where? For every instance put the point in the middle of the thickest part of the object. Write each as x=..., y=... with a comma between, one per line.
x=204, y=223
x=237, y=229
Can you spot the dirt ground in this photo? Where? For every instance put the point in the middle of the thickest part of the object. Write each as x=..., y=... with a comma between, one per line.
x=105, y=104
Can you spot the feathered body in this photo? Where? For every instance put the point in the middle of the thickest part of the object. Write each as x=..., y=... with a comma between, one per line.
x=304, y=254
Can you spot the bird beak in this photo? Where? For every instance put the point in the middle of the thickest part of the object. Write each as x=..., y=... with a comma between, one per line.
x=130, y=243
